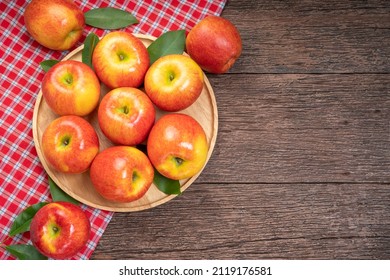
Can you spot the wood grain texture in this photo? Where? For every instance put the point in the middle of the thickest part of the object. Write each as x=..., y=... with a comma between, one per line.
x=301, y=128
x=256, y=221
x=300, y=169
x=312, y=36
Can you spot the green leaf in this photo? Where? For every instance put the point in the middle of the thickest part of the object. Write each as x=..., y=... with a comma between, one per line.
x=166, y=185
x=23, y=220
x=89, y=45
x=171, y=42
x=109, y=18
x=25, y=252
x=59, y=195
x=47, y=64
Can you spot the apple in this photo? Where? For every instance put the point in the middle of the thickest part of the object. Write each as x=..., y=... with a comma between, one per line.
x=121, y=173
x=55, y=24
x=177, y=146
x=126, y=115
x=214, y=43
x=120, y=60
x=69, y=144
x=59, y=230
x=71, y=88
x=174, y=82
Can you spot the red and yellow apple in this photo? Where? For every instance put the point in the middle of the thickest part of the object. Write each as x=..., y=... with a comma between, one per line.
x=177, y=146
x=69, y=144
x=71, y=88
x=126, y=116
x=174, y=82
x=59, y=230
x=214, y=43
x=55, y=24
x=121, y=173
x=120, y=60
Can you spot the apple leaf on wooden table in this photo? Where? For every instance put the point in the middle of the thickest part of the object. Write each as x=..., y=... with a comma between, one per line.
x=89, y=45
x=47, y=64
x=25, y=252
x=23, y=220
x=109, y=18
x=59, y=195
x=171, y=42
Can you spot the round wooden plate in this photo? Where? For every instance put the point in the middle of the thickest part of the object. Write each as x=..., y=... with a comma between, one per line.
x=79, y=186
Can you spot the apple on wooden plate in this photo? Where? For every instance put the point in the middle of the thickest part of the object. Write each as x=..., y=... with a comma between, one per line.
x=121, y=174
x=177, y=146
x=120, y=60
x=71, y=88
x=174, y=82
x=69, y=144
x=126, y=116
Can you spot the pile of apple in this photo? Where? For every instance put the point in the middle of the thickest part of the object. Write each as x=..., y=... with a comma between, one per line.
x=176, y=143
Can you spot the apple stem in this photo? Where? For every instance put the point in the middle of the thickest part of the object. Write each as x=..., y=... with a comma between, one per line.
x=125, y=110
x=68, y=78
x=178, y=160
x=134, y=176
x=65, y=140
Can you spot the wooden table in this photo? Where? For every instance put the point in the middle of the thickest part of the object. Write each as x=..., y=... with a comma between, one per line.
x=300, y=169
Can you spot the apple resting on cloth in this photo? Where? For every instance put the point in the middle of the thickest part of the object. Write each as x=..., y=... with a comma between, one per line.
x=121, y=173
x=126, y=116
x=55, y=24
x=215, y=44
x=71, y=88
x=120, y=60
x=177, y=146
x=59, y=230
x=69, y=144
x=174, y=82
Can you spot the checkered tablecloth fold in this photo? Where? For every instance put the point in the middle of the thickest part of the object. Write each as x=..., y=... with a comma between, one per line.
x=23, y=181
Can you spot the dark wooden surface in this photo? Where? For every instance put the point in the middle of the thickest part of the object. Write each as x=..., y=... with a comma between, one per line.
x=301, y=165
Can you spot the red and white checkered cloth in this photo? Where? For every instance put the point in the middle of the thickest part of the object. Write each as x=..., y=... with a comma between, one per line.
x=23, y=181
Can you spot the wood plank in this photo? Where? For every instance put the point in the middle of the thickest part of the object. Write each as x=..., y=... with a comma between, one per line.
x=257, y=221
x=301, y=128
x=301, y=165
x=312, y=36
